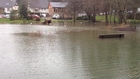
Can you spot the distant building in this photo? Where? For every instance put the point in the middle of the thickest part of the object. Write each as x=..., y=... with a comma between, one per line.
x=58, y=8
x=34, y=6
x=6, y=6
x=38, y=6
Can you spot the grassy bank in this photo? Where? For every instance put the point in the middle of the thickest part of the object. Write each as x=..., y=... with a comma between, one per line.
x=8, y=21
x=4, y=20
x=132, y=21
x=102, y=18
x=98, y=18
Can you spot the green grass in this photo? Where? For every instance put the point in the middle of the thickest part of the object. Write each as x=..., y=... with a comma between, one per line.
x=60, y=20
x=5, y=21
x=102, y=18
x=132, y=21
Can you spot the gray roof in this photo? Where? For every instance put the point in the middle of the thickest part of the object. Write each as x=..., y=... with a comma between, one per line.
x=38, y=3
x=7, y=3
x=59, y=4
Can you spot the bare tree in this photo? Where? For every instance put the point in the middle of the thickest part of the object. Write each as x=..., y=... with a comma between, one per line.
x=105, y=8
x=74, y=7
x=136, y=5
x=122, y=10
x=90, y=7
x=114, y=10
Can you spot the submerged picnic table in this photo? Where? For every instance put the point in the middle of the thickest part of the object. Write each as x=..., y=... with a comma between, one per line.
x=111, y=35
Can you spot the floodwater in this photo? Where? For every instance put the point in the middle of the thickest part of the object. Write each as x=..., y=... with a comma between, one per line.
x=67, y=52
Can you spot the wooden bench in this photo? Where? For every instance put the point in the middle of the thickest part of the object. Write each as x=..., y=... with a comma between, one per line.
x=111, y=35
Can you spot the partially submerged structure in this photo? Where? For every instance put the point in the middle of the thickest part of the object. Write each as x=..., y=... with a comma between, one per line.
x=121, y=35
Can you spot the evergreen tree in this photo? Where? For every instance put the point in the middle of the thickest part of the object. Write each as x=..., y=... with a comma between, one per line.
x=23, y=11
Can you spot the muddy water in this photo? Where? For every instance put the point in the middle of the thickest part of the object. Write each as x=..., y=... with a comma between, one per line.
x=67, y=52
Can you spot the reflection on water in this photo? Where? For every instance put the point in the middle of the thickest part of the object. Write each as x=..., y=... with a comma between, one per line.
x=60, y=52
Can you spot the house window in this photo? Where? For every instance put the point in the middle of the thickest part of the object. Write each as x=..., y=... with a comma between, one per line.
x=7, y=4
x=55, y=9
x=60, y=9
x=36, y=9
x=8, y=9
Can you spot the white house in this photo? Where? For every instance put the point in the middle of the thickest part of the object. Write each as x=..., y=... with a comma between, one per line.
x=6, y=6
x=35, y=6
x=38, y=6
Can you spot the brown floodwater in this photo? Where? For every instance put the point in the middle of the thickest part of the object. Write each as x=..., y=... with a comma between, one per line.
x=67, y=52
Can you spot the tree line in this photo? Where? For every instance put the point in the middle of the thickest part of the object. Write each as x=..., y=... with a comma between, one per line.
x=120, y=9
x=111, y=9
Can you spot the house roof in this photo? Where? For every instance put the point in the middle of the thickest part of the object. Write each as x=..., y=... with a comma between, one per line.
x=59, y=4
x=7, y=3
x=38, y=3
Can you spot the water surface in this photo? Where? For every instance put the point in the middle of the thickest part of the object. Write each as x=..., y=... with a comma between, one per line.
x=67, y=52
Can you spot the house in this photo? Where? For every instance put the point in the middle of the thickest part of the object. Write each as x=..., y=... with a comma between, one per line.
x=6, y=6
x=38, y=6
x=58, y=8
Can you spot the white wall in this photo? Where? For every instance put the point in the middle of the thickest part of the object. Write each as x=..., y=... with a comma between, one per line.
x=138, y=9
x=7, y=10
x=39, y=11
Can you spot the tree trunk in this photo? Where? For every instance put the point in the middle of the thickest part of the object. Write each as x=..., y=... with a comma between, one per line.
x=120, y=15
x=125, y=14
x=115, y=17
x=134, y=17
x=74, y=13
x=110, y=9
x=94, y=15
x=89, y=16
x=110, y=17
x=106, y=17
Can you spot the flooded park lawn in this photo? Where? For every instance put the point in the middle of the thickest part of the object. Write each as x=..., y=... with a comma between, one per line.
x=67, y=52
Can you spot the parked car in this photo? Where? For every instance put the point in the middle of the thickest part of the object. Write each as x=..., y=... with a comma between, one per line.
x=7, y=16
x=1, y=16
x=4, y=16
x=35, y=17
x=56, y=16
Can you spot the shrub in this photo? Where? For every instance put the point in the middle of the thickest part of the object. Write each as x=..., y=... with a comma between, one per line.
x=14, y=15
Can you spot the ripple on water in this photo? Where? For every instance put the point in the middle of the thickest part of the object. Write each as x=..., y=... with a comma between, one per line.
x=51, y=52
